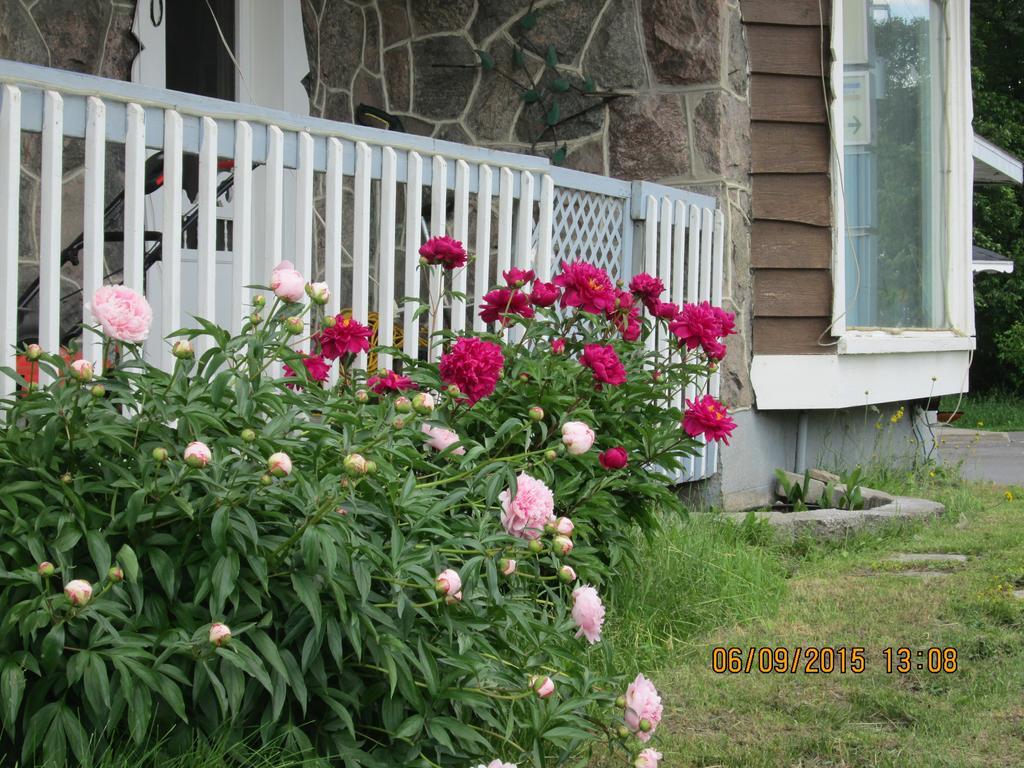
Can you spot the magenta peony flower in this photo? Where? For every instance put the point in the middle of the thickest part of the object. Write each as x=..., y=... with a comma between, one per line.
x=587, y=287
x=287, y=283
x=708, y=417
x=449, y=583
x=316, y=367
x=220, y=634
x=345, y=337
x=198, y=455
x=613, y=458
x=557, y=346
x=726, y=322
x=543, y=294
x=588, y=613
x=577, y=437
x=82, y=370
x=440, y=439
x=517, y=278
x=532, y=507
x=279, y=464
x=473, y=365
x=605, y=364
x=643, y=708
x=695, y=324
x=445, y=251
x=389, y=381
x=648, y=289
x=123, y=314
x=715, y=350
x=542, y=686
x=647, y=758
x=79, y=591
x=625, y=316
x=505, y=301
x=665, y=310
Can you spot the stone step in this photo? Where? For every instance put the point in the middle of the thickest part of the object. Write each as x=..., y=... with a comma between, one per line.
x=926, y=557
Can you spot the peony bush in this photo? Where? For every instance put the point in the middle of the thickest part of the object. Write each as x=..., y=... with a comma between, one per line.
x=399, y=568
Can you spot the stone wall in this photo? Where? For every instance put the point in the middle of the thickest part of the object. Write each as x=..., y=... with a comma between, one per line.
x=90, y=36
x=677, y=69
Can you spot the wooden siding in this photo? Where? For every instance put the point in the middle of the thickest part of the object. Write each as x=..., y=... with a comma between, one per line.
x=791, y=237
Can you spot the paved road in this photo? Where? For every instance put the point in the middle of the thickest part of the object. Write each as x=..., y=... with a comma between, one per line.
x=995, y=456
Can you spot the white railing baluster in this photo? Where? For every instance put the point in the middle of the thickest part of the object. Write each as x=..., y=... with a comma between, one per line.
x=361, y=242
x=386, y=258
x=332, y=234
x=483, y=244
x=207, y=236
x=677, y=288
x=241, y=236
x=692, y=297
x=651, y=250
x=134, y=196
x=273, y=222
x=706, y=242
x=542, y=262
x=505, y=199
x=92, y=225
x=461, y=233
x=304, y=207
x=717, y=263
x=413, y=215
x=665, y=256
x=438, y=216
x=524, y=236
x=170, y=273
x=51, y=173
x=10, y=185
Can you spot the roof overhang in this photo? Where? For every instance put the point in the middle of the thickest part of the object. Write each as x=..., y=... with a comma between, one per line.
x=984, y=260
x=994, y=165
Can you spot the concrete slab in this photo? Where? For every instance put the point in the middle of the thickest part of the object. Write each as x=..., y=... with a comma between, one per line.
x=994, y=456
x=925, y=557
x=917, y=574
x=1019, y=594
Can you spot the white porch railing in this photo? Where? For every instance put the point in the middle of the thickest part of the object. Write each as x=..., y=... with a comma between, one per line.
x=381, y=193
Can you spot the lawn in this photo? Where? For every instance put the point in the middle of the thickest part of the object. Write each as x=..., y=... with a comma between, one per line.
x=999, y=412
x=847, y=596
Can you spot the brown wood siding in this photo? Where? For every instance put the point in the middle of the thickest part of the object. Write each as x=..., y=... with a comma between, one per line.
x=791, y=238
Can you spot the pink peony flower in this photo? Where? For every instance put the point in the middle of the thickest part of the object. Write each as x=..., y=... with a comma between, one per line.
x=449, y=583
x=79, y=591
x=316, y=368
x=557, y=346
x=505, y=301
x=588, y=613
x=643, y=708
x=533, y=505
x=287, y=283
x=564, y=526
x=543, y=294
x=345, y=337
x=647, y=758
x=708, y=417
x=497, y=764
x=648, y=289
x=542, y=686
x=82, y=370
x=613, y=458
x=279, y=464
x=198, y=455
x=123, y=314
x=517, y=278
x=473, y=365
x=220, y=634
x=587, y=287
x=440, y=439
x=577, y=437
x=605, y=364
x=445, y=251
x=389, y=381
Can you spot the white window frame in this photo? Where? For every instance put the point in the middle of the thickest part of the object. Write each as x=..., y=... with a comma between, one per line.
x=959, y=181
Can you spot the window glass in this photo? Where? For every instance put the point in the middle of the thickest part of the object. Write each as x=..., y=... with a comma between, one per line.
x=894, y=163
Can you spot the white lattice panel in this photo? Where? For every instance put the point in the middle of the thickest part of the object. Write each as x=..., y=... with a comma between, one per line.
x=588, y=226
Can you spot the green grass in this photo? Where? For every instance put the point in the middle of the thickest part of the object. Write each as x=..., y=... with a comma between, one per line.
x=997, y=412
x=835, y=596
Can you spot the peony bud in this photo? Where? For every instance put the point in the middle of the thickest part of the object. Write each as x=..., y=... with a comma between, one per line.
x=82, y=370
x=566, y=574
x=507, y=566
x=645, y=725
x=562, y=545
x=355, y=464
x=115, y=574
x=399, y=422
x=341, y=511
x=536, y=546
x=279, y=464
x=551, y=455
x=45, y=569
x=453, y=390
x=33, y=352
x=557, y=346
x=98, y=391
x=220, y=634
x=183, y=350
x=159, y=455
x=564, y=526
x=448, y=582
x=403, y=404
x=294, y=325
x=423, y=402
x=537, y=413
x=550, y=528
x=266, y=479
x=371, y=467
x=620, y=702
x=79, y=591
x=329, y=322
x=259, y=301
x=198, y=455
x=248, y=435
x=524, y=377
x=344, y=483
x=66, y=478
x=542, y=686
x=318, y=293
x=255, y=318
x=623, y=732
x=362, y=396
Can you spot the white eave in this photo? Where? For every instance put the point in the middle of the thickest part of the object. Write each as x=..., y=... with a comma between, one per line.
x=994, y=165
x=984, y=260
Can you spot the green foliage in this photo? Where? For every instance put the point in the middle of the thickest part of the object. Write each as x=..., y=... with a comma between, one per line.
x=340, y=645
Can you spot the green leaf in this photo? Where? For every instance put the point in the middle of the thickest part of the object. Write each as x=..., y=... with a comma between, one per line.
x=551, y=57
x=99, y=551
x=531, y=96
x=553, y=114
x=12, y=688
x=97, y=683
x=308, y=596
x=529, y=21
x=411, y=727
x=77, y=738
x=589, y=86
x=559, y=155
x=219, y=526
x=560, y=84
x=53, y=648
x=517, y=57
x=486, y=60
x=129, y=563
